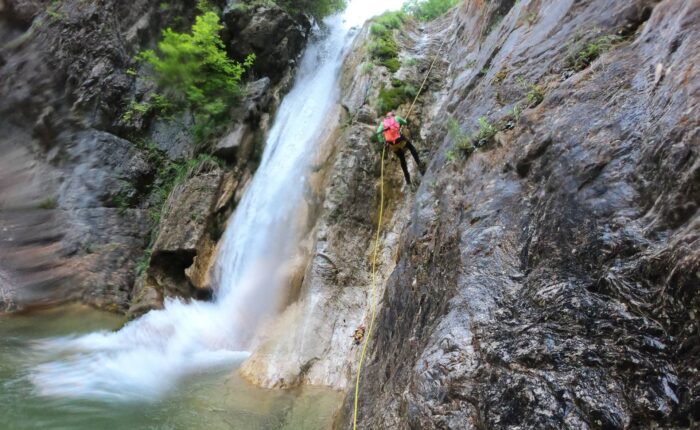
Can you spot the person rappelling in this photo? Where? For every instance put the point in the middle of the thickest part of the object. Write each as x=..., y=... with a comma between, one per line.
x=389, y=133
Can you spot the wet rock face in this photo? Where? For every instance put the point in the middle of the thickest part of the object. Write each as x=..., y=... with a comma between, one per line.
x=275, y=37
x=72, y=228
x=181, y=237
x=550, y=280
x=77, y=179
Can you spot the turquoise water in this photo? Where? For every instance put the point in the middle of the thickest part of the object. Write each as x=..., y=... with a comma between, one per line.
x=211, y=401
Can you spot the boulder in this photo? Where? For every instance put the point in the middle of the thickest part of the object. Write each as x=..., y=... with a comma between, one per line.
x=276, y=37
x=183, y=235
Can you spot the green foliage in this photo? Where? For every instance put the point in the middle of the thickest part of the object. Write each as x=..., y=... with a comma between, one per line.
x=366, y=68
x=515, y=112
x=143, y=263
x=383, y=47
x=535, y=95
x=171, y=174
x=391, y=20
x=427, y=10
x=136, y=109
x=582, y=56
x=53, y=10
x=122, y=202
x=486, y=132
x=317, y=8
x=195, y=72
x=131, y=72
x=204, y=6
x=48, y=203
x=462, y=141
x=411, y=61
x=393, y=64
x=391, y=98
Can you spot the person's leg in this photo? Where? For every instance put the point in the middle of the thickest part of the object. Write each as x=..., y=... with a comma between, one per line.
x=414, y=153
x=400, y=153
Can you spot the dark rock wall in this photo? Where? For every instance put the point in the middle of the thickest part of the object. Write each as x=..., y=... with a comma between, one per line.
x=77, y=178
x=551, y=279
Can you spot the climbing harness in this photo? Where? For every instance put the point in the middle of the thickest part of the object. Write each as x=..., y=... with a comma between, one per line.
x=395, y=146
x=373, y=304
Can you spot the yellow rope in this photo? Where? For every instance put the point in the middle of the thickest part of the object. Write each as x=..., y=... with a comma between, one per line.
x=427, y=75
x=373, y=301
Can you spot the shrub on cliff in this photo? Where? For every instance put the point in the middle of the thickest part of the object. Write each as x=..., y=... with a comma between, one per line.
x=194, y=71
x=383, y=47
x=426, y=10
x=317, y=8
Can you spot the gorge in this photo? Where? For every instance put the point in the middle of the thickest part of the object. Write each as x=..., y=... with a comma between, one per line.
x=543, y=273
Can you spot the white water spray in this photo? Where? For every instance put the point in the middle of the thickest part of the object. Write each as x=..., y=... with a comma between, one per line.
x=148, y=356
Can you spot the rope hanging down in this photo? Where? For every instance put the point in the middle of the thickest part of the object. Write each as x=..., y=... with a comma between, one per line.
x=373, y=301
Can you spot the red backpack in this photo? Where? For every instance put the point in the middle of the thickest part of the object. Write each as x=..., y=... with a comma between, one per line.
x=392, y=130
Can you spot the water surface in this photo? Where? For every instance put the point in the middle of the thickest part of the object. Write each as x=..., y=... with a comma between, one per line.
x=206, y=400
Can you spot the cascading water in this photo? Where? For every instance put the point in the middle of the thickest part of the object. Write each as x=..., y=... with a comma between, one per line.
x=148, y=356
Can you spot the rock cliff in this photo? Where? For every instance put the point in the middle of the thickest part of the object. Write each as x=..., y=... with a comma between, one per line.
x=549, y=278
x=88, y=166
x=544, y=273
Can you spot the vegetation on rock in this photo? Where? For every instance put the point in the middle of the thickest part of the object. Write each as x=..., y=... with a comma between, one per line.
x=195, y=72
x=317, y=8
x=426, y=10
x=383, y=47
x=394, y=96
x=582, y=55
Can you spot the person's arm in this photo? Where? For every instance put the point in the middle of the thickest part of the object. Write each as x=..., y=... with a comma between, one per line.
x=400, y=120
x=380, y=133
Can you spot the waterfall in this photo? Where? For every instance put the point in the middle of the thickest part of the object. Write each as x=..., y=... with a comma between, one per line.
x=147, y=357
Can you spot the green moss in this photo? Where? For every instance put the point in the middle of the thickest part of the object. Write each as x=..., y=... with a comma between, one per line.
x=383, y=48
x=48, y=203
x=500, y=76
x=393, y=64
x=391, y=98
x=411, y=61
x=143, y=263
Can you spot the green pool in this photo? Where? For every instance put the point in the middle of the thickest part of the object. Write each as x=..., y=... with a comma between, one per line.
x=211, y=401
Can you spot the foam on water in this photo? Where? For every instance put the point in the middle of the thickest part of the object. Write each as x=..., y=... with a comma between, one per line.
x=147, y=357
